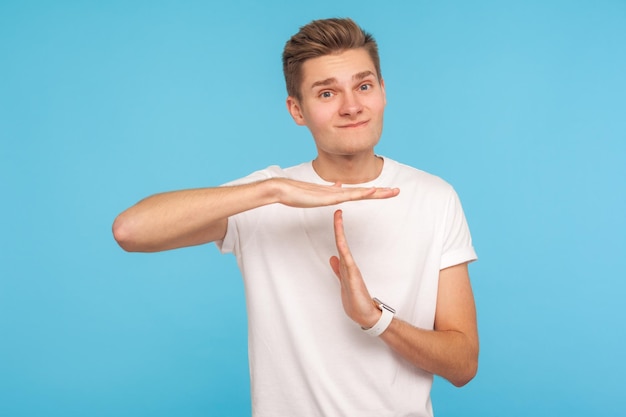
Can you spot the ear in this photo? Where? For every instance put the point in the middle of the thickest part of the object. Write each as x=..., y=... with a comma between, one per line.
x=294, y=108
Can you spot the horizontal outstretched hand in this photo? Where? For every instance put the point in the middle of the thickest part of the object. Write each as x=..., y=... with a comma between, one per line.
x=304, y=194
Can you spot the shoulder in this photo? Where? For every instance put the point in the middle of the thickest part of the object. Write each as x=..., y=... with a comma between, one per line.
x=272, y=171
x=407, y=176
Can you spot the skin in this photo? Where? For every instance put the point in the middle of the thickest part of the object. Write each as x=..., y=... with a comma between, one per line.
x=342, y=104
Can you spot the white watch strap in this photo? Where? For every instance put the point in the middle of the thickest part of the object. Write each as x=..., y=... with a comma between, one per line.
x=381, y=325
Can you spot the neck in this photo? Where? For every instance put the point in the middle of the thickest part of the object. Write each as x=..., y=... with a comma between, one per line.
x=348, y=169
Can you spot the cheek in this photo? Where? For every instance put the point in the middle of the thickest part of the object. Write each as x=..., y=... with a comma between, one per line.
x=320, y=119
x=379, y=105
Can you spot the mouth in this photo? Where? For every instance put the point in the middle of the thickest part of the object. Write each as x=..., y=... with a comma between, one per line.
x=354, y=125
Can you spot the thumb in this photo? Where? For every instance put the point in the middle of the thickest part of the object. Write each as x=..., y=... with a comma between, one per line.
x=334, y=264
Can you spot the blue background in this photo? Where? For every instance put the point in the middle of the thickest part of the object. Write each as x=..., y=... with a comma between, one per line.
x=520, y=105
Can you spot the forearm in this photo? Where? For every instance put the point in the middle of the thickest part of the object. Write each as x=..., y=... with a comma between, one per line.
x=187, y=217
x=450, y=354
x=191, y=217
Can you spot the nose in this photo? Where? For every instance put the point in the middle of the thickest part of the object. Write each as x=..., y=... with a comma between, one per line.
x=350, y=105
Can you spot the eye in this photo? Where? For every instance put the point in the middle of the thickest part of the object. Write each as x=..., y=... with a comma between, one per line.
x=326, y=94
x=365, y=87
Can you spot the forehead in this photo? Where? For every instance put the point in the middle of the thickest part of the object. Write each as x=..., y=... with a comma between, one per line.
x=341, y=67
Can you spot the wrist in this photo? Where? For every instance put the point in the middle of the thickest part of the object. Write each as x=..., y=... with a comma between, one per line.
x=384, y=320
x=371, y=323
x=271, y=190
x=372, y=317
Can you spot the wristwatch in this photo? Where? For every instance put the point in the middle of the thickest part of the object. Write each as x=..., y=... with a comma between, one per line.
x=384, y=321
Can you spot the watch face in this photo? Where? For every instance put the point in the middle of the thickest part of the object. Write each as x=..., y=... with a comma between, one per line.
x=382, y=305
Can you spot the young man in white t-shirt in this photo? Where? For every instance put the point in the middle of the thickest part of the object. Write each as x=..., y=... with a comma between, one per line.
x=404, y=241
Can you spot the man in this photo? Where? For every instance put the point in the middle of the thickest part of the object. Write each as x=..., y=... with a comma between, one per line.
x=319, y=343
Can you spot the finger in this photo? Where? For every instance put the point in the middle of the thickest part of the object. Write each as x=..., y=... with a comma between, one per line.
x=372, y=193
x=335, y=266
x=340, y=239
x=381, y=193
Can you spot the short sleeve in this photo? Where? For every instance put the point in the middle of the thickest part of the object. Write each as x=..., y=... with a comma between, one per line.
x=457, y=241
x=230, y=241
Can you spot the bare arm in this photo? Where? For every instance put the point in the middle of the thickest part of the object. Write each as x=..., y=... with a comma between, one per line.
x=450, y=350
x=192, y=217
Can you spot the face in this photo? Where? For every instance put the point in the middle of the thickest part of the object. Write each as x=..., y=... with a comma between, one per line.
x=342, y=103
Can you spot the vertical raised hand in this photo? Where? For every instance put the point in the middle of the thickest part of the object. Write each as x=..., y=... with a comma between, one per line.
x=355, y=297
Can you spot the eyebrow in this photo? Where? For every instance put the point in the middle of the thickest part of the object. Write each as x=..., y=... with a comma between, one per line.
x=329, y=81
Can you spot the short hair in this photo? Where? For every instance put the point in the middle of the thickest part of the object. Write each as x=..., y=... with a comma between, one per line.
x=324, y=37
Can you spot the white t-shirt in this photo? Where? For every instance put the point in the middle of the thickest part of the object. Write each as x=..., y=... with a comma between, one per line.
x=307, y=358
